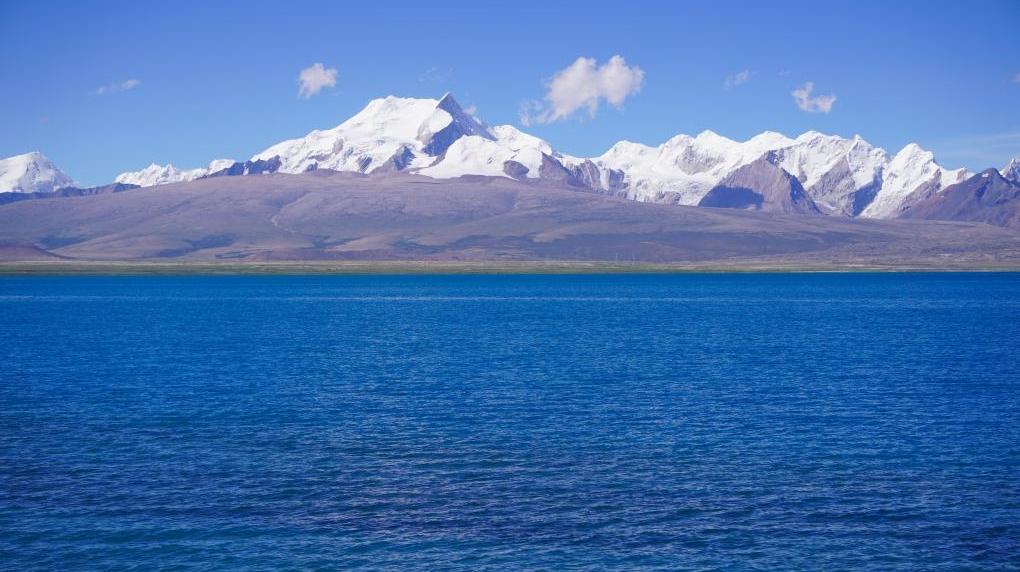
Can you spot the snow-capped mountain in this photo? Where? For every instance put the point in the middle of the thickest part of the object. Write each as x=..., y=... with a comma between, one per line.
x=1011, y=172
x=684, y=169
x=842, y=176
x=910, y=177
x=439, y=139
x=31, y=173
x=435, y=138
x=165, y=174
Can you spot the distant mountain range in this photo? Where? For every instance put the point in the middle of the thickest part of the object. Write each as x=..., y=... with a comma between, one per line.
x=813, y=174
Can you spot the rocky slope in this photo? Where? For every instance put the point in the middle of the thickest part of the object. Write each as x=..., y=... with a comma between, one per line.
x=987, y=197
x=761, y=186
x=335, y=216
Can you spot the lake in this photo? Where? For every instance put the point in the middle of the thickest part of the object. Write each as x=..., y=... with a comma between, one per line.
x=621, y=422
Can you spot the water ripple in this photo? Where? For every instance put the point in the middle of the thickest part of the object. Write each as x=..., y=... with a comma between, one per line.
x=749, y=422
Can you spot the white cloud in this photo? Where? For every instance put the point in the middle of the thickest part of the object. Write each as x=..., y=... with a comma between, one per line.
x=313, y=78
x=739, y=78
x=528, y=112
x=118, y=86
x=817, y=104
x=435, y=74
x=1016, y=78
x=584, y=85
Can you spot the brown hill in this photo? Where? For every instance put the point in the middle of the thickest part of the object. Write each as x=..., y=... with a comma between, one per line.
x=332, y=216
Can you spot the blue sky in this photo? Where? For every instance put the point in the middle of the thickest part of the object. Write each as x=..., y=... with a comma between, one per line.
x=187, y=82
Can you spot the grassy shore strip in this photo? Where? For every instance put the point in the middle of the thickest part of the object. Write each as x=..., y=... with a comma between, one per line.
x=454, y=267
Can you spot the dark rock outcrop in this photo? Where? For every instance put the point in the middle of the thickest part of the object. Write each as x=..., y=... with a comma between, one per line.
x=259, y=167
x=761, y=186
x=515, y=170
x=463, y=124
x=398, y=162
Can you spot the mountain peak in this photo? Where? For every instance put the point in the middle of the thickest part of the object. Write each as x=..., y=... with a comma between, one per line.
x=913, y=152
x=709, y=136
x=449, y=123
x=771, y=139
x=448, y=101
x=31, y=172
x=813, y=135
x=156, y=174
x=991, y=173
x=1011, y=171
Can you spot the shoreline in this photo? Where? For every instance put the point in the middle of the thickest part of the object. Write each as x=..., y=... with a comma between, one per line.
x=138, y=268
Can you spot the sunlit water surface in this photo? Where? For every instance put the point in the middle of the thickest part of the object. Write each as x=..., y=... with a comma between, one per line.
x=718, y=422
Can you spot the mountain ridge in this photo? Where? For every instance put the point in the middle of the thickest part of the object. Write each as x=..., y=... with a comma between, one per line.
x=437, y=138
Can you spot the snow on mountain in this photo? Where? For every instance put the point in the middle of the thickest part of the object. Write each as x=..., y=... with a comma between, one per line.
x=165, y=174
x=839, y=174
x=506, y=152
x=842, y=176
x=434, y=138
x=681, y=170
x=911, y=176
x=1011, y=172
x=31, y=173
x=437, y=138
x=813, y=154
x=363, y=143
x=389, y=133
x=684, y=169
x=474, y=155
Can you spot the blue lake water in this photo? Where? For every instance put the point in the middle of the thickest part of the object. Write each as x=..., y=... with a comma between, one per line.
x=717, y=422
